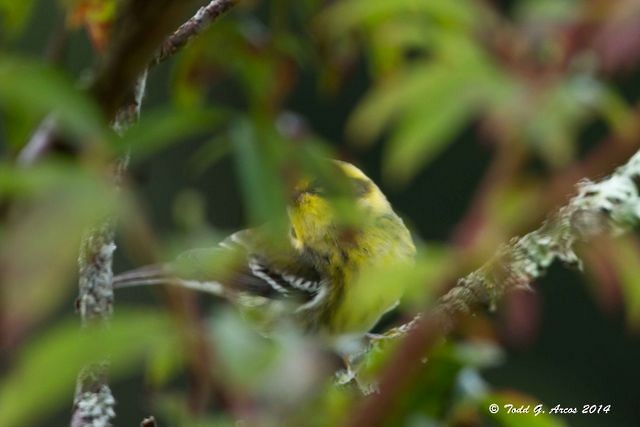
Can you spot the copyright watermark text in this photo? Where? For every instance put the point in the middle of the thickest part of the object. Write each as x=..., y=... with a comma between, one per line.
x=536, y=410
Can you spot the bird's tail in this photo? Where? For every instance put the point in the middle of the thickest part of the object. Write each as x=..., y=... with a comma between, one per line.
x=147, y=275
x=158, y=274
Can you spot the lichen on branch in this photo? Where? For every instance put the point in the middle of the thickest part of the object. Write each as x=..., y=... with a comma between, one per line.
x=610, y=206
x=95, y=298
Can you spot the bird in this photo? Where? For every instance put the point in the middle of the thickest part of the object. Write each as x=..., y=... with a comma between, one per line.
x=309, y=274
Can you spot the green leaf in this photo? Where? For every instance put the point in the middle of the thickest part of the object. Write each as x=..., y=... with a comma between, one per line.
x=459, y=71
x=176, y=409
x=347, y=15
x=33, y=88
x=618, y=114
x=257, y=156
x=563, y=109
x=53, y=206
x=214, y=150
x=391, y=41
x=392, y=98
x=547, y=11
x=432, y=386
x=626, y=262
x=432, y=265
x=157, y=129
x=44, y=376
x=425, y=131
x=14, y=15
x=164, y=362
x=19, y=126
x=245, y=355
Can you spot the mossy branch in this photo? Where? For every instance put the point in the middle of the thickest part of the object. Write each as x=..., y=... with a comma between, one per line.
x=94, y=402
x=610, y=206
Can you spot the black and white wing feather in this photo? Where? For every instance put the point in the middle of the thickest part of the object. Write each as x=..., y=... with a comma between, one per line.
x=258, y=271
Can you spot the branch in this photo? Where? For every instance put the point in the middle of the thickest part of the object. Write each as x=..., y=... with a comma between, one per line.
x=95, y=279
x=194, y=26
x=610, y=206
x=93, y=402
x=135, y=40
x=139, y=29
x=95, y=298
x=40, y=141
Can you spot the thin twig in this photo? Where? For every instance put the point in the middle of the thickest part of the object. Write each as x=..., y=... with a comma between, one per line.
x=135, y=39
x=194, y=26
x=39, y=143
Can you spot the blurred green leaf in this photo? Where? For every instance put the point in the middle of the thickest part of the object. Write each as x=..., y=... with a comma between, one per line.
x=30, y=87
x=546, y=11
x=350, y=14
x=164, y=362
x=433, y=265
x=432, y=388
x=391, y=282
x=18, y=182
x=561, y=111
x=175, y=408
x=257, y=156
x=214, y=150
x=422, y=133
x=390, y=99
x=507, y=205
x=392, y=41
x=427, y=102
x=53, y=205
x=157, y=129
x=285, y=369
x=14, y=15
x=617, y=112
x=18, y=126
x=626, y=262
x=245, y=355
x=189, y=210
x=44, y=376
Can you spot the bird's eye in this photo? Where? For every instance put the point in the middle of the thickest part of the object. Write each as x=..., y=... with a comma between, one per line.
x=315, y=187
x=360, y=187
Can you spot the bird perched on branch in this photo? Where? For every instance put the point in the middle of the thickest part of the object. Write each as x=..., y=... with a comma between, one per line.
x=311, y=275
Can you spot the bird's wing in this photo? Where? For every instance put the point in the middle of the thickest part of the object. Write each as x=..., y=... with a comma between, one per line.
x=273, y=271
x=242, y=265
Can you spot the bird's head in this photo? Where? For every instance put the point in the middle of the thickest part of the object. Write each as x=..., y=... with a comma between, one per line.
x=325, y=211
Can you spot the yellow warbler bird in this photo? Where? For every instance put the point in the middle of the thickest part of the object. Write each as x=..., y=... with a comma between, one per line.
x=311, y=276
